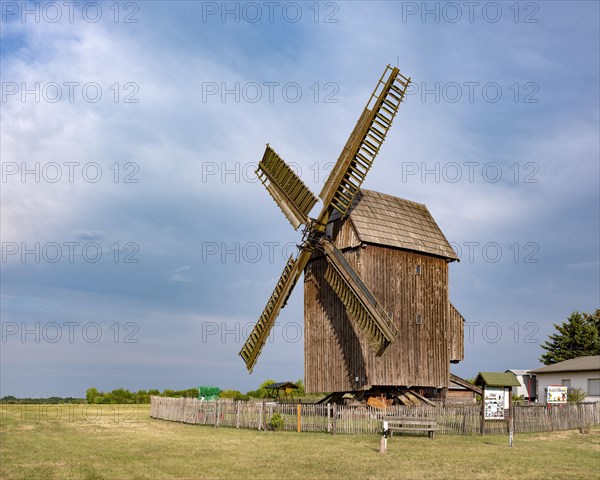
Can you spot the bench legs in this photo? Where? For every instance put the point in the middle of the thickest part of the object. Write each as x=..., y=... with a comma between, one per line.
x=430, y=433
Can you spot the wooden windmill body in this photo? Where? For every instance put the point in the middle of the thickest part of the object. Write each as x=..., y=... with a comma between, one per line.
x=398, y=250
x=377, y=312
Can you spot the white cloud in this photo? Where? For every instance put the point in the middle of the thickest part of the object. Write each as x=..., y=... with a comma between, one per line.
x=180, y=275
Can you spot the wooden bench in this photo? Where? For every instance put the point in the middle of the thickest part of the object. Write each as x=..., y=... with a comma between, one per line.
x=412, y=424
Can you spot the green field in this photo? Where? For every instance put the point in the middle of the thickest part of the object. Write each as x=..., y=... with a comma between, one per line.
x=123, y=442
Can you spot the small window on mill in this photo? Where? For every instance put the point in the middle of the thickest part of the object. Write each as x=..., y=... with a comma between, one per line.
x=418, y=270
x=419, y=319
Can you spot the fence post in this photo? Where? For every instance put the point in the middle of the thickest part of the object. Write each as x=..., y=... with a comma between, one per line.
x=482, y=425
x=216, y=414
x=383, y=442
x=237, y=414
x=334, y=413
x=328, y=417
x=258, y=408
x=299, y=407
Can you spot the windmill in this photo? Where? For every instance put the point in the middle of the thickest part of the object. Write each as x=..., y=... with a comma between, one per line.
x=340, y=190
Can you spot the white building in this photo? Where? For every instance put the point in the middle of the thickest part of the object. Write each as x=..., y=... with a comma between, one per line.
x=580, y=372
x=527, y=389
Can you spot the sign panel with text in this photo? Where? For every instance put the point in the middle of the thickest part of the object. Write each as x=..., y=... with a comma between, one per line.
x=557, y=394
x=493, y=403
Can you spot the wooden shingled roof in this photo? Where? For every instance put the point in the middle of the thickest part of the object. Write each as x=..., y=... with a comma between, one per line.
x=391, y=221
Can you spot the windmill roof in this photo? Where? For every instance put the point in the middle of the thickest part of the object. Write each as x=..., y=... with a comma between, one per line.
x=391, y=221
x=590, y=362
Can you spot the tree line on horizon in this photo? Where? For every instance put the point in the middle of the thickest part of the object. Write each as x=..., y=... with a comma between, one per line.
x=578, y=336
x=124, y=396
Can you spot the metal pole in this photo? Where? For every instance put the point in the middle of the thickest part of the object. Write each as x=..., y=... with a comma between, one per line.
x=511, y=423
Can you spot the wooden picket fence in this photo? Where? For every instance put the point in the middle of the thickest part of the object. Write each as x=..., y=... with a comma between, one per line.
x=452, y=420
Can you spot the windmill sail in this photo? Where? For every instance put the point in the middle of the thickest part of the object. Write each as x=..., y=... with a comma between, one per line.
x=364, y=143
x=296, y=201
x=289, y=192
x=361, y=305
x=255, y=342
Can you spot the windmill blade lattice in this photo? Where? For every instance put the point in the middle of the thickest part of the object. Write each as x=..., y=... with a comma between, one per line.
x=287, y=189
x=361, y=305
x=364, y=143
x=257, y=338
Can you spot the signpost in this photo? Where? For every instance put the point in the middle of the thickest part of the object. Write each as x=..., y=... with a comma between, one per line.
x=383, y=442
x=496, y=399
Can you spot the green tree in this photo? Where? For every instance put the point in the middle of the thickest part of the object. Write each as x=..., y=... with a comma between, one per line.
x=261, y=392
x=235, y=394
x=106, y=397
x=141, y=396
x=594, y=319
x=576, y=337
x=300, y=392
x=190, y=392
x=91, y=395
x=122, y=395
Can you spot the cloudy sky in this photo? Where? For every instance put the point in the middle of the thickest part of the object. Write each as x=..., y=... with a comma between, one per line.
x=137, y=245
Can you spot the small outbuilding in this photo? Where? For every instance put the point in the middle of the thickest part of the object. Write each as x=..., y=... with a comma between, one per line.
x=461, y=391
x=282, y=390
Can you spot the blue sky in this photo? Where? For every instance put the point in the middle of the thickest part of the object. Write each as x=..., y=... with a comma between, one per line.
x=137, y=245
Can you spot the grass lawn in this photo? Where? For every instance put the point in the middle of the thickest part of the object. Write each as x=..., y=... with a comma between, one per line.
x=123, y=442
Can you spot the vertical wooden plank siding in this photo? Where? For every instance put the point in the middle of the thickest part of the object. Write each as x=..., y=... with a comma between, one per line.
x=336, y=354
x=457, y=329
